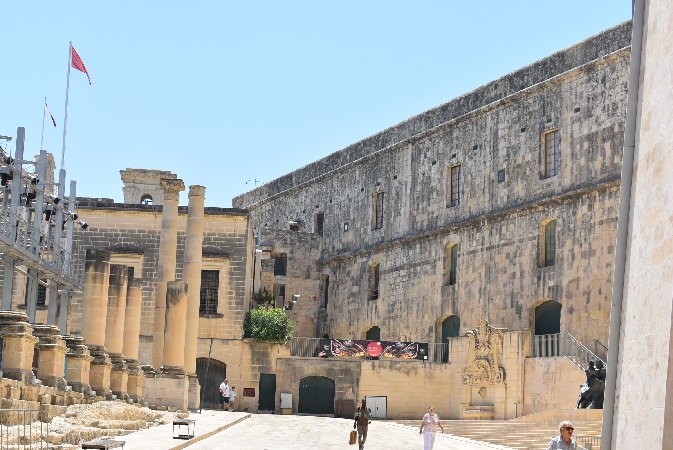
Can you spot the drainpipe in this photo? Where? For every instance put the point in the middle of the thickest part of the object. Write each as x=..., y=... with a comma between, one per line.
x=623, y=224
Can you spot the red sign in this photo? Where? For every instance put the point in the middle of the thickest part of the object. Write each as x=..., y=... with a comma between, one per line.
x=374, y=349
x=248, y=392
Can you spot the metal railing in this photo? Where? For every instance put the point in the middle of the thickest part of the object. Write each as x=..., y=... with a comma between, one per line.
x=305, y=347
x=21, y=429
x=588, y=442
x=439, y=353
x=563, y=344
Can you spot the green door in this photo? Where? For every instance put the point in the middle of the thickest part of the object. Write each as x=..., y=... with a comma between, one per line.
x=316, y=395
x=267, y=392
x=450, y=328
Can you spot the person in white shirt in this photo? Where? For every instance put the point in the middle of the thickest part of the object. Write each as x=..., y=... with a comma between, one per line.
x=232, y=398
x=225, y=392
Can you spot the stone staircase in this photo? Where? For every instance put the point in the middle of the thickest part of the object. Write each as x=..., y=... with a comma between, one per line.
x=518, y=434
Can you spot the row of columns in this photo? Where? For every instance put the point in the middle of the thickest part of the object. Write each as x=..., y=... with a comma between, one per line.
x=105, y=357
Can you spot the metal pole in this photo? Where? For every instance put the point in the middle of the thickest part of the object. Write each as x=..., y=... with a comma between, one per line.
x=65, y=118
x=205, y=379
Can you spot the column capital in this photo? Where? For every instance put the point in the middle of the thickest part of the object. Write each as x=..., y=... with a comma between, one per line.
x=172, y=186
x=197, y=191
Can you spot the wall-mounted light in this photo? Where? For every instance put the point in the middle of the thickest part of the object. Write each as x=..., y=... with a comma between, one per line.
x=291, y=303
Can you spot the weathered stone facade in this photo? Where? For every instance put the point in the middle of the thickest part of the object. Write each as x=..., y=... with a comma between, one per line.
x=131, y=233
x=495, y=134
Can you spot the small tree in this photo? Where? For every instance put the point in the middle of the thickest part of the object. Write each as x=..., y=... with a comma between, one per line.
x=264, y=297
x=270, y=325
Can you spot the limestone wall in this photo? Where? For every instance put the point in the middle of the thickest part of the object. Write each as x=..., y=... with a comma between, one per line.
x=494, y=133
x=551, y=384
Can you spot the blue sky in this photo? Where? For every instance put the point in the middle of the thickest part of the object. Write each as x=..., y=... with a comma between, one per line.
x=222, y=92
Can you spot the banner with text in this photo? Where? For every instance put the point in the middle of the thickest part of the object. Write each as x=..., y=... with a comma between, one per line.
x=372, y=349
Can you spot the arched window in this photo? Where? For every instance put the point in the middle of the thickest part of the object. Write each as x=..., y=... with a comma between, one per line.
x=547, y=243
x=374, y=278
x=373, y=334
x=548, y=318
x=146, y=199
x=450, y=264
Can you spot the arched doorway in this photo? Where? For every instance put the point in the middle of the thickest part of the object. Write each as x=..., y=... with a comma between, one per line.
x=217, y=372
x=373, y=334
x=548, y=318
x=450, y=328
x=316, y=395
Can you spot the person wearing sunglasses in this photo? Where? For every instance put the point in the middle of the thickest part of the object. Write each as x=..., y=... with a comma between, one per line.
x=565, y=440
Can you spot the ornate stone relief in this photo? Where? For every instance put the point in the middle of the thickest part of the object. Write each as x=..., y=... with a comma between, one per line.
x=484, y=355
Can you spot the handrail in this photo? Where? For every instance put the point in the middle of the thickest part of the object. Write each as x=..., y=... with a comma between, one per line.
x=563, y=344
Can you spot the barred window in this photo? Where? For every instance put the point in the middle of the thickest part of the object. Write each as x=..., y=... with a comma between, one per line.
x=280, y=264
x=454, y=185
x=319, y=223
x=210, y=283
x=377, y=213
x=551, y=153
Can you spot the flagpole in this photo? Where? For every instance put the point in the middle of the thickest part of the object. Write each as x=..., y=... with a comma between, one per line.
x=65, y=118
x=44, y=112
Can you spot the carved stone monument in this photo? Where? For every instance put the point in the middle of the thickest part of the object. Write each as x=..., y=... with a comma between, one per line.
x=484, y=377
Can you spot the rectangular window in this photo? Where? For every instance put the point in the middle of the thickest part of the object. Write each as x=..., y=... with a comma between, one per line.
x=551, y=153
x=41, y=293
x=374, y=278
x=210, y=283
x=550, y=244
x=280, y=264
x=319, y=222
x=454, y=185
x=377, y=213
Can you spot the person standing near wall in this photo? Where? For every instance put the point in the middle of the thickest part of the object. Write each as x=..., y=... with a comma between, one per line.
x=232, y=398
x=429, y=428
x=363, y=418
x=224, y=394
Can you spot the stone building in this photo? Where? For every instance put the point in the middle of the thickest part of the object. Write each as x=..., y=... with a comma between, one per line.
x=500, y=204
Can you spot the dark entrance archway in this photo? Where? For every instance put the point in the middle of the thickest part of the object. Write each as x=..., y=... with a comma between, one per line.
x=450, y=328
x=316, y=395
x=548, y=318
x=373, y=334
x=217, y=372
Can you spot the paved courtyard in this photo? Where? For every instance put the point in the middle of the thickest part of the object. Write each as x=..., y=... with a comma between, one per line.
x=274, y=432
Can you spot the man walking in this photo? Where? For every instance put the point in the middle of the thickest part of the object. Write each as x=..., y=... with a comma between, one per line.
x=362, y=420
x=565, y=440
x=224, y=395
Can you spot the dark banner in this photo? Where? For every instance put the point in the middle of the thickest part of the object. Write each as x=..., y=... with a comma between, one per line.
x=372, y=349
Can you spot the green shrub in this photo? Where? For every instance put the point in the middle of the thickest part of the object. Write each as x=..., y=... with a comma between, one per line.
x=271, y=325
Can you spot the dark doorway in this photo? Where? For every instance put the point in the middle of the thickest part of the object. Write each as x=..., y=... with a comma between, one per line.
x=210, y=385
x=450, y=328
x=373, y=334
x=267, y=392
x=316, y=395
x=548, y=318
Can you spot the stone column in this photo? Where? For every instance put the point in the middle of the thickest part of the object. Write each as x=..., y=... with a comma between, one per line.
x=18, y=346
x=174, y=337
x=114, y=329
x=78, y=366
x=51, y=349
x=171, y=387
x=168, y=243
x=136, y=378
x=94, y=317
x=192, y=275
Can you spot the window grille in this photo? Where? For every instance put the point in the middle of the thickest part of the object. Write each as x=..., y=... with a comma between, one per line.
x=280, y=264
x=210, y=283
x=454, y=194
x=550, y=244
x=378, y=211
x=551, y=154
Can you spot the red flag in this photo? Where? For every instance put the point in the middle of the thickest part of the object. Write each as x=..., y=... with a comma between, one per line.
x=77, y=62
x=46, y=108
